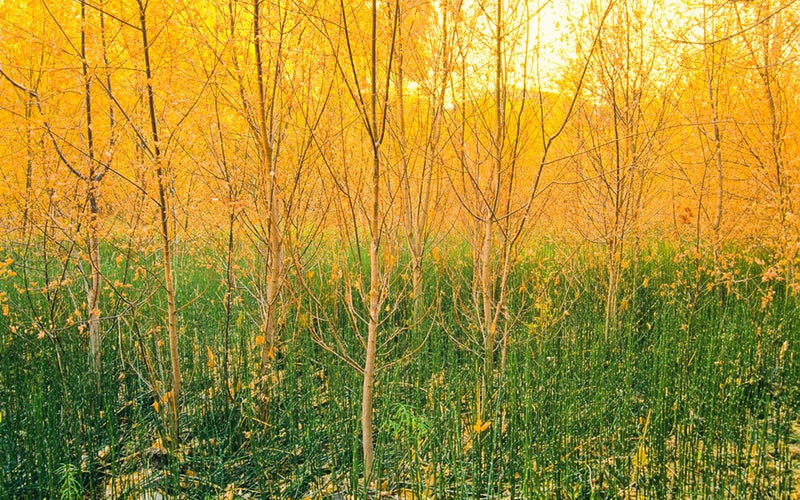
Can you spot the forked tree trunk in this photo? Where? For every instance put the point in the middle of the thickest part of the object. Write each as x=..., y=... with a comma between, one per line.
x=374, y=121
x=269, y=190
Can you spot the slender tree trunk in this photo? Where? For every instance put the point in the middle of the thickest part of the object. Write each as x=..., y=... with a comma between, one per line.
x=415, y=217
x=93, y=295
x=487, y=309
x=169, y=279
x=489, y=316
x=417, y=283
x=28, y=168
x=375, y=275
x=93, y=292
x=417, y=206
x=419, y=232
x=269, y=191
x=374, y=120
x=716, y=223
x=372, y=332
x=612, y=294
x=229, y=281
x=772, y=48
x=619, y=195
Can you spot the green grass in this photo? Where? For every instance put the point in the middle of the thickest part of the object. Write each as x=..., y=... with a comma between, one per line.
x=694, y=395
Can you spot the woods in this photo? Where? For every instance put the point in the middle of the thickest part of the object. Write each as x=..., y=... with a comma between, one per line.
x=418, y=249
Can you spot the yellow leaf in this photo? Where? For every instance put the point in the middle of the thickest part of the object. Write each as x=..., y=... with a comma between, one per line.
x=406, y=494
x=158, y=445
x=641, y=459
x=211, y=361
x=156, y=406
x=481, y=426
x=259, y=340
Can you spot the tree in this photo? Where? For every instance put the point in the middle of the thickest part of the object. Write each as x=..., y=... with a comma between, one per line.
x=267, y=97
x=707, y=103
x=622, y=119
x=493, y=131
x=423, y=64
x=361, y=202
x=769, y=31
x=373, y=115
x=95, y=166
x=156, y=154
x=268, y=131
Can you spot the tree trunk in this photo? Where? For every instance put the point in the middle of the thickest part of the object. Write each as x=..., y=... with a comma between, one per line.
x=610, y=323
x=169, y=279
x=269, y=190
x=417, y=283
x=374, y=318
x=487, y=305
x=93, y=294
x=92, y=181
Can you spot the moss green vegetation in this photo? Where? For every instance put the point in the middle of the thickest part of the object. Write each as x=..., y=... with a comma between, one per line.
x=694, y=395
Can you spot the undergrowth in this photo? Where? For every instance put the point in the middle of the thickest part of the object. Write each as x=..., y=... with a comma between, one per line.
x=694, y=395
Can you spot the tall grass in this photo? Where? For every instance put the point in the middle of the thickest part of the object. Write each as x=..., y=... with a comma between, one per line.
x=695, y=395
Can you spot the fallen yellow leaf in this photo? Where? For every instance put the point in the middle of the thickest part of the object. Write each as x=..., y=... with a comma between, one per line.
x=481, y=426
x=211, y=361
